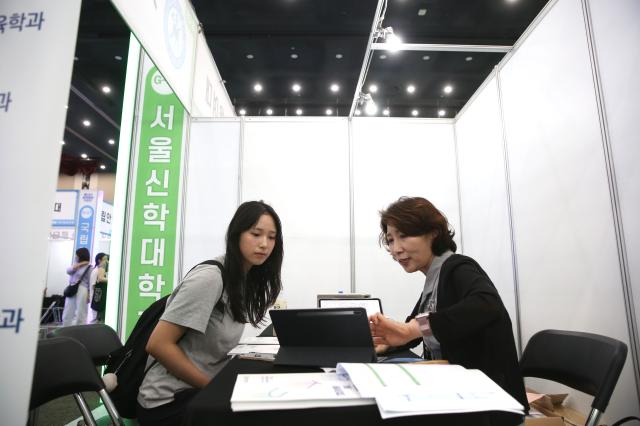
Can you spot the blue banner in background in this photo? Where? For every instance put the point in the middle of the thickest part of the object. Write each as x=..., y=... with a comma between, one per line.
x=86, y=220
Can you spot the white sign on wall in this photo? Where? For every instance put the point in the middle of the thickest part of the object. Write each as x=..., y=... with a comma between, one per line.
x=167, y=30
x=64, y=208
x=37, y=42
x=103, y=221
x=210, y=98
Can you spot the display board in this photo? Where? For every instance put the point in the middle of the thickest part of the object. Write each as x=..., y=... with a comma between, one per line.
x=33, y=94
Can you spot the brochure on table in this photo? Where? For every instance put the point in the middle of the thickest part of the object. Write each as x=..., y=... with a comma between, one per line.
x=397, y=389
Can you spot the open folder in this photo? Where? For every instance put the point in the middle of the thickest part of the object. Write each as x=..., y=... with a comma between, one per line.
x=322, y=337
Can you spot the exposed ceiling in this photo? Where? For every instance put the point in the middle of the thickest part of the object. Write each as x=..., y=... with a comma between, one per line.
x=314, y=43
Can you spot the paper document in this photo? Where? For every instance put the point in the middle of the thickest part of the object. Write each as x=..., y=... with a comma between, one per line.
x=293, y=391
x=254, y=349
x=414, y=389
x=270, y=340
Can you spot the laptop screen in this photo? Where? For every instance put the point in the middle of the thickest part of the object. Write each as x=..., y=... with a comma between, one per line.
x=371, y=305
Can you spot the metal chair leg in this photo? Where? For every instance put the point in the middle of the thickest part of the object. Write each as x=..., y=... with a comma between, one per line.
x=84, y=408
x=593, y=418
x=108, y=404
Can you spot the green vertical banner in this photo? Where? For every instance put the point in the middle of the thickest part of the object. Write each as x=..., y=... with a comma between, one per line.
x=153, y=225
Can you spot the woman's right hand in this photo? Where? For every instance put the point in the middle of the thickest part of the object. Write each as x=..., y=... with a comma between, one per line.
x=380, y=349
x=386, y=331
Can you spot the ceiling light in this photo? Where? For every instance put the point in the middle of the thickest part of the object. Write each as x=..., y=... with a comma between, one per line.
x=426, y=57
x=102, y=166
x=66, y=107
x=112, y=142
x=329, y=111
x=296, y=87
x=338, y=55
x=294, y=56
x=370, y=106
x=257, y=87
x=373, y=88
x=447, y=89
x=299, y=111
x=442, y=113
x=469, y=58
x=249, y=56
x=414, y=112
x=422, y=12
x=334, y=87
x=242, y=111
x=86, y=123
x=106, y=89
x=269, y=111
x=358, y=112
x=383, y=56
x=411, y=88
x=118, y=58
x=83, y=155
x=385, y=111
x=391, y=40
x=61, y=142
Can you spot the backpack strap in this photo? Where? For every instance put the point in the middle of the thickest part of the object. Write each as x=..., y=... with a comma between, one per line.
x=219, y=306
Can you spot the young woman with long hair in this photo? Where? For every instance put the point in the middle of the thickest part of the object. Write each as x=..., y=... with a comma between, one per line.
x=204, y=318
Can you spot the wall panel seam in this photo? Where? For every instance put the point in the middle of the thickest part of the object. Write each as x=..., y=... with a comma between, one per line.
x=512, y=237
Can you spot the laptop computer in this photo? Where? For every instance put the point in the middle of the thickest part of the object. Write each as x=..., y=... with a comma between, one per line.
x=371, y=304
x=322, y=337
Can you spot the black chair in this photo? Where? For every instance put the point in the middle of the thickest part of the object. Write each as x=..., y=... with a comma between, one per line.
x=99, y=339
x=584, y=361
x=64, y=367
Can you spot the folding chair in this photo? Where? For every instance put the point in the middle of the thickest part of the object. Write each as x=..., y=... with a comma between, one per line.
x=584, y=361
x=99, y=339
x=64, y=367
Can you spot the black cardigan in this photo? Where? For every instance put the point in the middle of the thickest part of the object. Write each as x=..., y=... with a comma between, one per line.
x=473, y=326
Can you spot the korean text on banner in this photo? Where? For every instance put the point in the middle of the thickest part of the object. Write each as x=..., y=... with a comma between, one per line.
x=153, y=231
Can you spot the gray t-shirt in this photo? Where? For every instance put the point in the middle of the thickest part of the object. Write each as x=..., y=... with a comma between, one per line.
x=210, y=335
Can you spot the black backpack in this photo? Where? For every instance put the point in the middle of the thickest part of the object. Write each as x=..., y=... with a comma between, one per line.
x=128, y=363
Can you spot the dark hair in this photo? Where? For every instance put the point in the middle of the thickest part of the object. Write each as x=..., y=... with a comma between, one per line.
x=83, y=254
x=415, y=216
x=99, y=257
x=250, y=296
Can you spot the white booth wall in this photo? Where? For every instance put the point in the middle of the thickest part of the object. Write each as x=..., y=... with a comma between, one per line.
x=568, y=268
x=616, y=32
x=302, y=167
x=394, y=158
x=212, y=189
x=531, y=165
x=483, y=193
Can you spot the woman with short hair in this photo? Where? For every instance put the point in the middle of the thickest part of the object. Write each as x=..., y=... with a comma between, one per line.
x=459, y=315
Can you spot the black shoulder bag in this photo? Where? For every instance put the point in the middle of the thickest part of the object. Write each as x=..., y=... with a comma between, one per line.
x=72, y=289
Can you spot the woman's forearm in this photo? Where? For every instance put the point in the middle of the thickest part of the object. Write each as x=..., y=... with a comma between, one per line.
x=177, y=363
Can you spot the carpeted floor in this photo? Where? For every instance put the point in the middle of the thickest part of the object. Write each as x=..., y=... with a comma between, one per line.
x=61, y=411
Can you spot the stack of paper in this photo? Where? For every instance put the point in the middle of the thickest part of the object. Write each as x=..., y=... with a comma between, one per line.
x=262, y=348
x=397, y=389
x=295, y=390
x=414, y=389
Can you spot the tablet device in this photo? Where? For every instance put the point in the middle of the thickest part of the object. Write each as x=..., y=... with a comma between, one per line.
x=322, y=337
x=371, y=305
